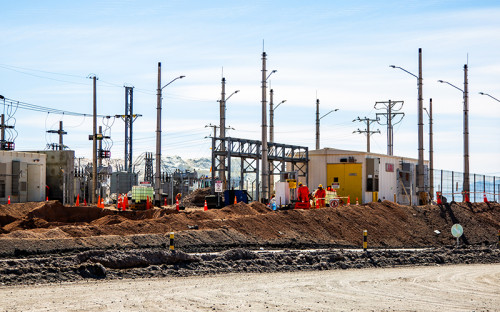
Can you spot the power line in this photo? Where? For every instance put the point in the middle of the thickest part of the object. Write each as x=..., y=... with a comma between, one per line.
x=38, y=108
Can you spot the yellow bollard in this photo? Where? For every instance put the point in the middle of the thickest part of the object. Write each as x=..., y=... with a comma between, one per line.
x=171, y=240
x=365, y=240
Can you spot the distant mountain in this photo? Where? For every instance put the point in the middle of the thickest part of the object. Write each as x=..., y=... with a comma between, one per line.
x=169, y=164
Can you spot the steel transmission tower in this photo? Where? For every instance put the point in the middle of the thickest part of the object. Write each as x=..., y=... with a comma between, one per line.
x=390, y=114
x=129, y=119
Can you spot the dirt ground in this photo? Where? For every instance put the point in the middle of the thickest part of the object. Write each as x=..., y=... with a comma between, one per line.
x=435, y=288
x=47, y=242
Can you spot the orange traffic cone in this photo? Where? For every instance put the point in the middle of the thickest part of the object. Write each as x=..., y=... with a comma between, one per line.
x=348, y=200
x=466, y=197
x=47, y=199
x=148, y=205
x=357, y=202
x=177, y=204
x=165, y=203
x=84, y=201
x=205, y=208
x=119, y=203
x=235, y=200
x=77, y=204
x=99, y=202
x=8, y=200
x=485, y=199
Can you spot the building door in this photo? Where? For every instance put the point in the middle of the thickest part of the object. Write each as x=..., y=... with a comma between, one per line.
x=348, y=178
x=34, y=181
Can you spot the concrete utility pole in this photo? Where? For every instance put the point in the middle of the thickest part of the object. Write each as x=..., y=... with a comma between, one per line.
x=157, y=183
x=158, y=136
x=222, y=127
x=369, y=133
x=60, y=132
x=431, y=152
x=265, y=165
x=420, y=166
x=465, y=92
x=466, y=132
x=94, y=143
x=390, y=114
x=317, y=121
x=265, y=168
x=222, y=131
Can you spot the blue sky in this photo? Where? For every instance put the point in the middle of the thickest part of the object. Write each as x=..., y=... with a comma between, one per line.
x=339, y=50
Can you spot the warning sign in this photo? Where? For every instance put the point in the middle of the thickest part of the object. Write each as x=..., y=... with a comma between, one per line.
x=335, y=185
x=218, y=186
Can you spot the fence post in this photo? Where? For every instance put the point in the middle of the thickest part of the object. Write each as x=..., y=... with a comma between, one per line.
x=441, y=190
x=474, y=187
x=452, y=186
x=494, y=191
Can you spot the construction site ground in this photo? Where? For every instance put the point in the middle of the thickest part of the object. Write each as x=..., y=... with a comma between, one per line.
x=45, y=242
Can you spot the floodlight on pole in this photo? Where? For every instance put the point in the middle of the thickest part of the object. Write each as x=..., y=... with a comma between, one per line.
x=482, y=93
x=420, y=166
x=272, y=108
x=465, y=93
x=318, y=122
x=157, y=184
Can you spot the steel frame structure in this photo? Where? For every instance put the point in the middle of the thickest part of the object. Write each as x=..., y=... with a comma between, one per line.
x=250, y=152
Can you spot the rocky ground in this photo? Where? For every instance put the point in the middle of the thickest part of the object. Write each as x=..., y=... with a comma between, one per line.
x=48, y=242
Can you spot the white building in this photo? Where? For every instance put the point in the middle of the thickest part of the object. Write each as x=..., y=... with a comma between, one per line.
x=366, y=176
x=22, y=176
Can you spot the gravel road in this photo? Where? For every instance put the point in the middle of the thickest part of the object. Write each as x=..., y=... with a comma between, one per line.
x=429, y=288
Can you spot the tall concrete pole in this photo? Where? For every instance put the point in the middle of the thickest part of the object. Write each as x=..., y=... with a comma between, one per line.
x=317, y=124
x=94, y=145
x=60, y=135
x=431, y=153
x=271, y=138
x=265, y=166
x=271, y=116
x=466, y=186
x=368, y=135
x=158, y=138
x=390, y=143
x=420, y=167
x=222, y=131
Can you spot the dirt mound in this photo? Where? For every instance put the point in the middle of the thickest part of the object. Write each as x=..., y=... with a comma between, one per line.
x=13, y=212
x=108, y=220
x=388, y=224
x=196, y=198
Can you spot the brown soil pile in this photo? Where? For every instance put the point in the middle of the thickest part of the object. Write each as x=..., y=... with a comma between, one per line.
x=196, y=198
x=388, y=224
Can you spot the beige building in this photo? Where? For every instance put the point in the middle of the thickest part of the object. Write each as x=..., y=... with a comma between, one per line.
x=22, y=176
x=365, y=176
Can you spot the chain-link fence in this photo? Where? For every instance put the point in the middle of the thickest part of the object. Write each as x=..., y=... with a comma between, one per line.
x=451, y=185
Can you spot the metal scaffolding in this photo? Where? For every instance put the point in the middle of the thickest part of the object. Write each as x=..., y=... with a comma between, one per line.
x=250, y=153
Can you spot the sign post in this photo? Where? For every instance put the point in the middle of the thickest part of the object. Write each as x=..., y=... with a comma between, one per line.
x=457, y=231
x=218, y=189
